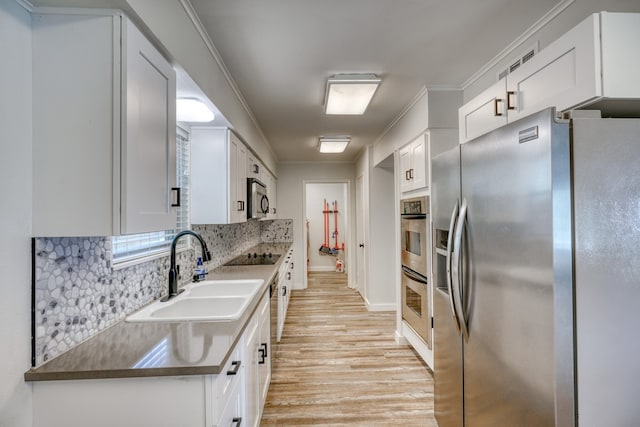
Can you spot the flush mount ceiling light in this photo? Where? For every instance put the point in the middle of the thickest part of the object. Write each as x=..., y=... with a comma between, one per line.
x=192, y=110
x=350, y=93
x=333, y=144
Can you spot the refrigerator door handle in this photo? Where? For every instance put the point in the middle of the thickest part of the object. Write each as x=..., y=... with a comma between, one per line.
x=452, y=225
x=455, y=269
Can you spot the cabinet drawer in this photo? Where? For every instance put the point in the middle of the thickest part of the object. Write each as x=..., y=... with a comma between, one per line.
x=231, y=375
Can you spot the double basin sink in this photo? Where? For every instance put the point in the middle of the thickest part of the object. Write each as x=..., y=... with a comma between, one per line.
x=206, y=301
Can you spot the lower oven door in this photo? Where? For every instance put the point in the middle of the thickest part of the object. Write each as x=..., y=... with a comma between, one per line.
x=415, y=303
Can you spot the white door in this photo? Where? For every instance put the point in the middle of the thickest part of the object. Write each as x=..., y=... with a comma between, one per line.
x=360, y=218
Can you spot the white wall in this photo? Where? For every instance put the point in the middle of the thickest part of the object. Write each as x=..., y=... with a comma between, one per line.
x=290, y=202
x=572, y=15
x=316, y=194
x=15, y=214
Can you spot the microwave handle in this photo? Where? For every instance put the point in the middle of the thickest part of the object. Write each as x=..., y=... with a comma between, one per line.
x=414, y=276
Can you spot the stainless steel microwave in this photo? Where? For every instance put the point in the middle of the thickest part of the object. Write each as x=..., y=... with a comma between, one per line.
x=415, y=235
x=257, y=200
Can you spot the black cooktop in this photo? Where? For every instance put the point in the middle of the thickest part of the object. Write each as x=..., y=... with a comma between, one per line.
x=255, y=259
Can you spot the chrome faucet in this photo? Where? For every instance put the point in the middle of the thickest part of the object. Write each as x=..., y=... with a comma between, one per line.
x=173, y=272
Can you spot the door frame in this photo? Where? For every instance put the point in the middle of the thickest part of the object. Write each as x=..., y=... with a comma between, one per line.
x=348, y=227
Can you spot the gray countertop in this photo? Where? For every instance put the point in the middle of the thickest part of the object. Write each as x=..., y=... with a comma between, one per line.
x=162, y=349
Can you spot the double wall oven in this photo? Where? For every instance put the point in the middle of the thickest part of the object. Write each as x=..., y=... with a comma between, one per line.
x=415, y=258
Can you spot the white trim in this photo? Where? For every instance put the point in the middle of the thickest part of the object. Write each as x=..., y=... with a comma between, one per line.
x=348, y=222
x=149, y=256
x=400, y=339
x=310, y=162
x=80, y=11
x=27, y=5
x=509, y=50
x=418, y=345
x=321, y=268
x=381, y=307
x=193, y=16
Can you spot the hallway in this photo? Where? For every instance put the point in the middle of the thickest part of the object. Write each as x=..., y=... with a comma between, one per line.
x=338, y=364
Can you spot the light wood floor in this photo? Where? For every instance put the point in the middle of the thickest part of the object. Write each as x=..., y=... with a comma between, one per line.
x=338, y=364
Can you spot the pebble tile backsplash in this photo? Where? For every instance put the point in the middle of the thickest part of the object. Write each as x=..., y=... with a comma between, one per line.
x=78, y=293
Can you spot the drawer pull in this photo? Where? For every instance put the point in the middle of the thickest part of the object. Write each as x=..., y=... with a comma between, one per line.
x=496, y=110
x=263, y=356
x=264, y=346
x=236, y=367
x=236, y=422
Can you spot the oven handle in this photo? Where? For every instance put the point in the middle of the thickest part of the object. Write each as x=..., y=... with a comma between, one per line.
x=452, y=226
x=414, y=276
x=455, y=268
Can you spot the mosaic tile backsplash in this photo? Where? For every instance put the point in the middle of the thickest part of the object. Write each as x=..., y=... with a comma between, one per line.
x=78, y=293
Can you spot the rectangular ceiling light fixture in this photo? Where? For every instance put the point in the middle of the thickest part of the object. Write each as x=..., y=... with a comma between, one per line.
x=333, y=144
x=350, y=93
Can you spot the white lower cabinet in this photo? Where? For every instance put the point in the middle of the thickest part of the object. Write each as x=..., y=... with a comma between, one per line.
x=258, y=367
x=234, y=397
x=285, y=283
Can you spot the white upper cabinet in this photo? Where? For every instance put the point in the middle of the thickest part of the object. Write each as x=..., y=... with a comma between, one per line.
x=483, y=113
x=104, y=154
x=272, y=195
x=413, y=165
x=218, y=177
x=593, y=65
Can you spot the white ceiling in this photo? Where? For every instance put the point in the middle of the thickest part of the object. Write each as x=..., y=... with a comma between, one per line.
x=280, y=53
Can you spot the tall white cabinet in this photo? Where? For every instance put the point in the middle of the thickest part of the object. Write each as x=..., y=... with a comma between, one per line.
x=103, y=128
x=218, y=177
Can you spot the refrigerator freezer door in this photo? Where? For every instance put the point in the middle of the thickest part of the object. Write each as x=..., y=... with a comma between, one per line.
x=447, y=347
x=509, y=180
x=607, y=235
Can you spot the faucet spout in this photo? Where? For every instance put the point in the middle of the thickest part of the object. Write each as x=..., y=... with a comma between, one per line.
x=173, y=273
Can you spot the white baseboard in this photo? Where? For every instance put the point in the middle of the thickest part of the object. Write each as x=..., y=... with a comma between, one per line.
x=400, y=339
x=321, y=268
x=418, y=345
x=380, y=307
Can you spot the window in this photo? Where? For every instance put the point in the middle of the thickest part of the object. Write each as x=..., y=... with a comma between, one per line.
x=135, y=246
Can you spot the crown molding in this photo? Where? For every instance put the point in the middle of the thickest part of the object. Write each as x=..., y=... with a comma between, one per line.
x=508, y=51
x=197, y=23
x=26, y=5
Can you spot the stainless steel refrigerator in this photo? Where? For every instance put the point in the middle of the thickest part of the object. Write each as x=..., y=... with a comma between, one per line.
x=537, y=275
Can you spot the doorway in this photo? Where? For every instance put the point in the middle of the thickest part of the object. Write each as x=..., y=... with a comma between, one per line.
x=326, y=227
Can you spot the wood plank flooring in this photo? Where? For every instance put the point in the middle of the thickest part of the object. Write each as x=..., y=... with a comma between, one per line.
x=338, y=364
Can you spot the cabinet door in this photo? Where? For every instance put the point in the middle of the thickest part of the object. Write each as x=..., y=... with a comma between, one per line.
x=272, y=193
x=251, y=398
x=564, y=74
x=483, y=113
x=405, y=168
x=238, y=179
x=264, y=362
x=419, y=163
x=148, y=145
x=254, y=169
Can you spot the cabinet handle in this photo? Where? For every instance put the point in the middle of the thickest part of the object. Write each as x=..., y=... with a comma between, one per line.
x=284, y=288
x=266, y=349
x=411, y=173
x=509, y=94
x=289, y=276
x=292, y=265
x=256, y=169
x=495, y=107
x=240, y=205
x=177, y=203
x=236, y=422
x=407, y=175
x=262, y=356
x=273, y=210
x=236, y=367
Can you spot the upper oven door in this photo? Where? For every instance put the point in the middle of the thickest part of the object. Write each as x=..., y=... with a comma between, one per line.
x=414, y=243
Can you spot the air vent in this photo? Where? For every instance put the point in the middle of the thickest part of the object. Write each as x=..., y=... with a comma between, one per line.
x=518, y=61
x=527, y=56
